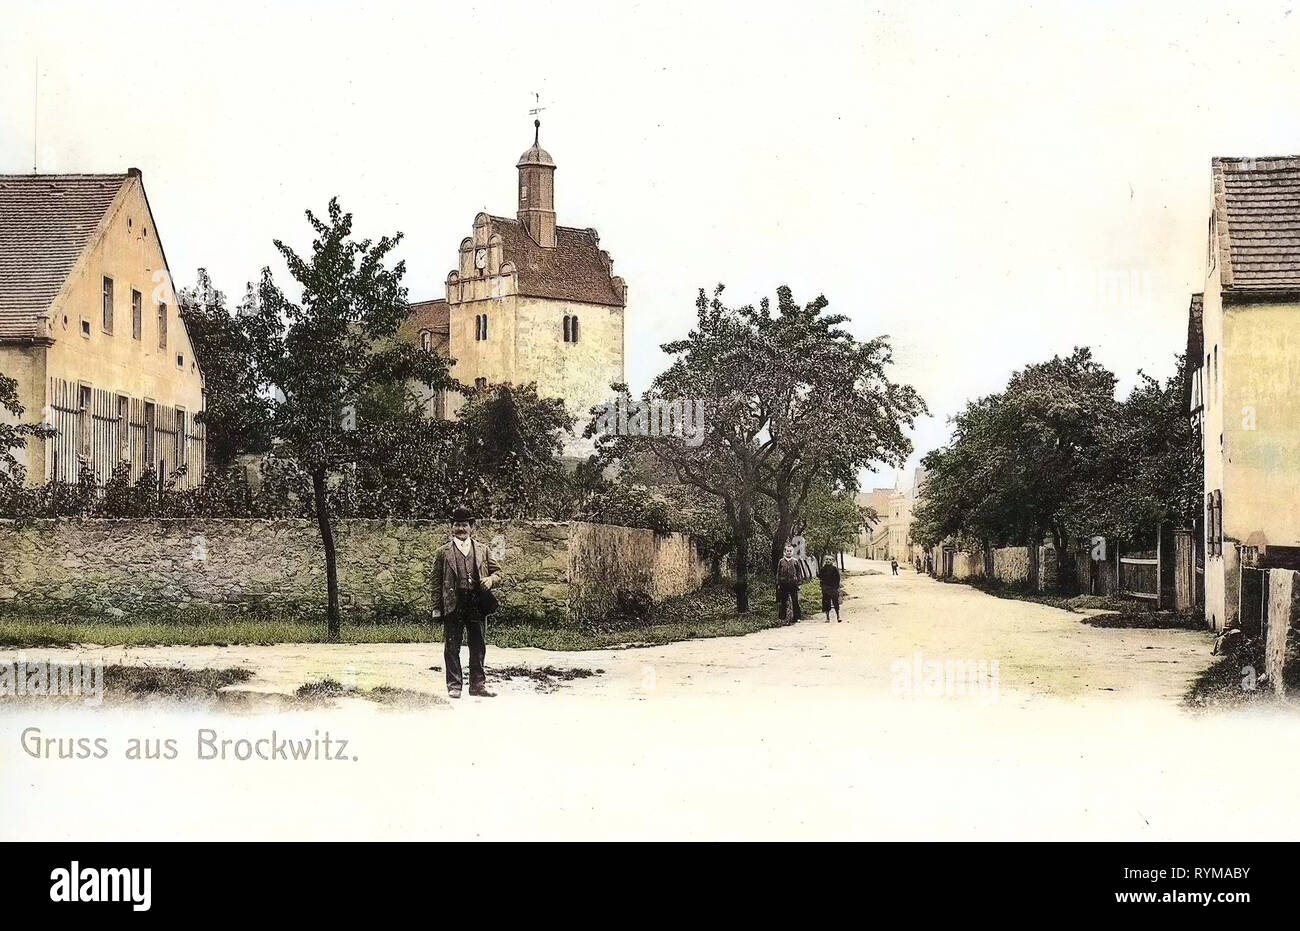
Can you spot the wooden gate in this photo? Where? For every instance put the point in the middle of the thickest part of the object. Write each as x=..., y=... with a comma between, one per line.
x=1137, y=574
x=1184, y=570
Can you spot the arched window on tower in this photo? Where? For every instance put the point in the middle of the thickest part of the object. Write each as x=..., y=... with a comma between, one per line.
x=480, y=327
x=567, y=331
x=573, y=329
x=426, y=341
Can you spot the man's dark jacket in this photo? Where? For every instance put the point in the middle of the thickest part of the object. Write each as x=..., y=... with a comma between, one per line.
x=445, y=583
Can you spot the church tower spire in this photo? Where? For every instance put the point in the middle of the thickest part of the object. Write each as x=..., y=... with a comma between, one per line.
x=537, y=192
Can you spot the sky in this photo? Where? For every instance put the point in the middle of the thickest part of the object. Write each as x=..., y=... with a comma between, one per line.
x=989, y=184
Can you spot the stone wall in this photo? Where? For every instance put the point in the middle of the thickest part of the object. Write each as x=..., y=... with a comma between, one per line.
x=606, y=560
x=968, y=565
x=1011, y=564
x=557, y=573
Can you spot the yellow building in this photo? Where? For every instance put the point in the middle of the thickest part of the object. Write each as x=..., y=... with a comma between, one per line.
x=529, y=301
x=873, y=540
x=89, y=328
x=1245, y=383
x=900, y=527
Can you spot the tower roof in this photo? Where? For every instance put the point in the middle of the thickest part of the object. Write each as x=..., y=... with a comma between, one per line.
x=573, y=271
x=535, y=154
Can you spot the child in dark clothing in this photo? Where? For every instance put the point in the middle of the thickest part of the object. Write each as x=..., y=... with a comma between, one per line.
x=829, y=577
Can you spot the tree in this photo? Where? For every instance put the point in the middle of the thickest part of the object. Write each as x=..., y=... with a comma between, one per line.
x=1151, y=463
x=786, y=397
x=237, y=411
x=831, y=519
x=511, y=441
x=831, y=408
x=328, y=351
x=1023, y=463
x=712, y=367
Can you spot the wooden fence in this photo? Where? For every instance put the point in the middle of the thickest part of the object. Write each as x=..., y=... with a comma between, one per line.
x=103, y=428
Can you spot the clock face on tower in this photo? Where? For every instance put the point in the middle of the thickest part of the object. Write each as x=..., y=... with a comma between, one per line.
x=480, y=259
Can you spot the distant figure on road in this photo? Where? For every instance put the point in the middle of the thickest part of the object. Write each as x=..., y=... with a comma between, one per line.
x=893, y=564
x=787, y=583
x=464, y=571
x=829, y=576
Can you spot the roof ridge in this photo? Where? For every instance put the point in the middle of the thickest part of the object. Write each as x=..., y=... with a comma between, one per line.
x=61, y=175
x=1236, y=159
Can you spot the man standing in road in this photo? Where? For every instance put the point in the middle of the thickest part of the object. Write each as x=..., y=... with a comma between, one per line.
x=464, y=573
x=787, y=583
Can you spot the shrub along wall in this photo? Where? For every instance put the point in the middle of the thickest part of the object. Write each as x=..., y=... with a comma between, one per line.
x=556, y=573
x=614, y=568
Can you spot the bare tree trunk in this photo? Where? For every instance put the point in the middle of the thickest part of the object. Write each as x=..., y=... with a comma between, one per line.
x=1064, y=569
x=742, y=528
x=331, y=565
x=781, y=535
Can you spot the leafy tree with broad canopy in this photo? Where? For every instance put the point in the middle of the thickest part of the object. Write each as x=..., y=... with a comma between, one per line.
x=790, y=398
x=1056, y=454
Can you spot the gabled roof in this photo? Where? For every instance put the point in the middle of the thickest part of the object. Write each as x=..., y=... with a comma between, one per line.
x=46, y=223
x=1257, y=226
x=1195, y=344
x=434, y=316
x=1195, y=332
x=573, y=271
x=430, y=315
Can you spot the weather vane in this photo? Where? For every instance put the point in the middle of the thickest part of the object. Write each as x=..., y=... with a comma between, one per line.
x=537, y=123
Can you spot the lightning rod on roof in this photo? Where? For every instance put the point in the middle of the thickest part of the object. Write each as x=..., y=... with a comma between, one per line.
x=36, y=109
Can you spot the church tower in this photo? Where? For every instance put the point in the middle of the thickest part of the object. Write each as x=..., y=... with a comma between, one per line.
x=537, y=192
x=528, y=301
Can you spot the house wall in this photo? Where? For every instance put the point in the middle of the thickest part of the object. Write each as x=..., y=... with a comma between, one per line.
x=129, y=252
x=1251, y=435
x=579, y=373
x=1260, y=360
x=26, y=366
x=492, y=358
x=1219, y=609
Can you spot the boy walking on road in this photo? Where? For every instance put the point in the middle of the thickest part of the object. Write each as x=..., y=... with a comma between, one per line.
x=829, y=577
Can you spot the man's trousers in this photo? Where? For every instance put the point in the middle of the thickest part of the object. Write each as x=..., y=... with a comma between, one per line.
x=453, y=629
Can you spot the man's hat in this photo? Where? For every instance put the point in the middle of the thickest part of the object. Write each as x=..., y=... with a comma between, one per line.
x=462, y=513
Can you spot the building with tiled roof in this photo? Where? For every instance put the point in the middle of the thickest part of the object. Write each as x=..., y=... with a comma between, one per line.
x=89, y=329
x=529, y=300
x=1243, y=346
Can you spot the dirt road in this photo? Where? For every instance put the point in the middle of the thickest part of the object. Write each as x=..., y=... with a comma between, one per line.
x=812, y=730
